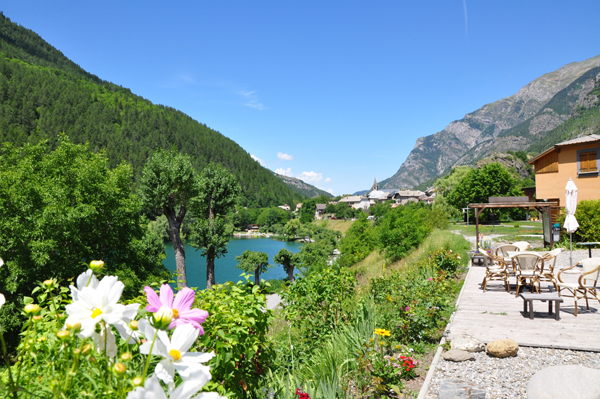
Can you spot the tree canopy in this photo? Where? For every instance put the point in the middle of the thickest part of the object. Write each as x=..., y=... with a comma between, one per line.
x=167, y=185
x=253, y=262
x=63, y=208
x=217, y=194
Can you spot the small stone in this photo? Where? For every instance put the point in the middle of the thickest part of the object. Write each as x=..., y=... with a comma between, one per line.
x=459, y=389
x=503, y=348
x=456, y=355
x=572, y=381
x=467, y=342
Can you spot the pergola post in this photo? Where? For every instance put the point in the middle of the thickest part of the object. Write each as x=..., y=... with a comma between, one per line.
x=477, y=212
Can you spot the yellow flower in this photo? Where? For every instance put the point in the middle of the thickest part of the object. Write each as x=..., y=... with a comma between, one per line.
x=389, y=298
x=383, y=332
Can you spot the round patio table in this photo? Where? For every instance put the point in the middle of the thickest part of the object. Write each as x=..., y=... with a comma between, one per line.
x=589, y=245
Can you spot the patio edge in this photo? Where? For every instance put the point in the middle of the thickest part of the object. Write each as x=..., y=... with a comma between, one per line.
x=440, y=349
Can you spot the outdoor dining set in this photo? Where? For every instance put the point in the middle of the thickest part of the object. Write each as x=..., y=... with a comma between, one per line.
x=532, y=268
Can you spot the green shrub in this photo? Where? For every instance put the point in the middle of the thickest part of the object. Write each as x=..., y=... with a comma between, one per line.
x=358, y=242
x=415, y=303
x=403, y=229
x=588, y=217
x=236, y=330
x=446, y=260
x=316, y=304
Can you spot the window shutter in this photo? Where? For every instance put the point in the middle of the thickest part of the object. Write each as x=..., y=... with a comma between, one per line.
x=587, y=162
x=583, y=162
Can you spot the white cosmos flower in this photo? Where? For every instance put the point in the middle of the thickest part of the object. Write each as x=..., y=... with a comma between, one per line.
x=98, y=302
x=175, y=353
x=153, y=390
x=85, y=279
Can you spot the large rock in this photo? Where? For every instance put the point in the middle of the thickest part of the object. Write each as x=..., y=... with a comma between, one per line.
x=467, y=342
x=459, y=389
x=558, y=382
x=456, y=355
x=503, y=348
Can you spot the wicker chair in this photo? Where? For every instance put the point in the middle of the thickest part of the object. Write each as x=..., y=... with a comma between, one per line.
x=522, y=245
x=548, y=273
x=503, y=250
x=585, y=286
x=528, y=266
x=496, y=269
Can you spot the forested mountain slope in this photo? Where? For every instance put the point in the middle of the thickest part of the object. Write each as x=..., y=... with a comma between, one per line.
x=43, y=93
x=517, y=123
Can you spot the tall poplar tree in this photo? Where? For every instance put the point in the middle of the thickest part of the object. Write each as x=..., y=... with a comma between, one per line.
x=168, y=184
x=218, y=192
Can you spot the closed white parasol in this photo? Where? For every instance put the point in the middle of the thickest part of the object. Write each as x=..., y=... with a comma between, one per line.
x=571, y=224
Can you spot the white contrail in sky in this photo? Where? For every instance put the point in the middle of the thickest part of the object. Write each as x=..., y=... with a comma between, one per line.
x=466, y=18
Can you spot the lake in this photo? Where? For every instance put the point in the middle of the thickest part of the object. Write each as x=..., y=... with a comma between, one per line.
x=225, y=267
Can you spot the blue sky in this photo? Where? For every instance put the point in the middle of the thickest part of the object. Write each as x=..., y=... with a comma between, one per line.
x=333, y=92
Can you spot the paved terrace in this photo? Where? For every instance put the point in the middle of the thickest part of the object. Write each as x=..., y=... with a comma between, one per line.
x=497, y=314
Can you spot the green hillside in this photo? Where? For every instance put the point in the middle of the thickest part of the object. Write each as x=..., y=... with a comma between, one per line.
x=43, y=93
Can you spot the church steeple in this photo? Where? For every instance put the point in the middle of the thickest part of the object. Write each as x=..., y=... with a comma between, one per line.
x=375, y=186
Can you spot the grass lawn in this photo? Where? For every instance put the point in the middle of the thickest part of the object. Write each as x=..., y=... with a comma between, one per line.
x=339, y=225
x=510, y=231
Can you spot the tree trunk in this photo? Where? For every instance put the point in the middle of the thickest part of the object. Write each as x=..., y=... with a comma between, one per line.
x=290, y=271
x=210, y=254
x=175, y=229
x=257, y=276
x=210, y=268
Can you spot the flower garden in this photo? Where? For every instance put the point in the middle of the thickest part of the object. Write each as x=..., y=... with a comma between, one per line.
x=335, y=337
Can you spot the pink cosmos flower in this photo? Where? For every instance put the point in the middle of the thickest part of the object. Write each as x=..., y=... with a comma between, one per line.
x=430, y=279
x=181, y=306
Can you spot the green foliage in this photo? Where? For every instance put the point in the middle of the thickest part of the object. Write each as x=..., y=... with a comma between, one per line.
x=588, y=217
x=317, y=303
x=307, y=212
x=289, y=261
x=236, y=331
x=167, y=185
x=63, y=208
x=56, y=359
x=492, y=180
x=447, y=261
x=445, y=184
x=415, y=304
x=42, y=93
x=403, y=229
x=253, y=262
x=316, y=256
x=217, y=194
x=358, y=242
x=168, y=182
x=343, y=211
x=379, y=210
x=272, y=216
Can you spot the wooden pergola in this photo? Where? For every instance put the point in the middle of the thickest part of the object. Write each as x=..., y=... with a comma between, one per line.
x=513, y=202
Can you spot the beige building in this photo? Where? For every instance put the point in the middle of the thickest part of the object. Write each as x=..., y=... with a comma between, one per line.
x=576, y=159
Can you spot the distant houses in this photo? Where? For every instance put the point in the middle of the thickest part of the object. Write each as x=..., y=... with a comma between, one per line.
x=285, y=207
x=320, y=211
x=356, y=202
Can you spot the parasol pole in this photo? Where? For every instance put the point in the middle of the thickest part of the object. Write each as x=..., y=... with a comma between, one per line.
x=571, y=243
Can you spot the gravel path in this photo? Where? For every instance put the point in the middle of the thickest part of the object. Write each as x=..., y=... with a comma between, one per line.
x=508, y=377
